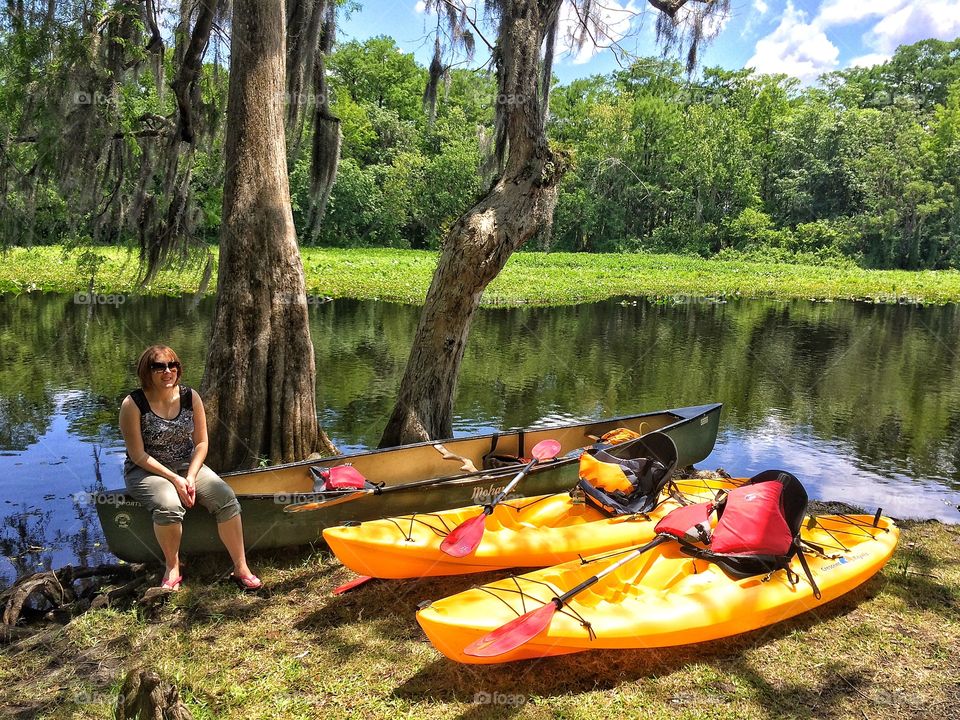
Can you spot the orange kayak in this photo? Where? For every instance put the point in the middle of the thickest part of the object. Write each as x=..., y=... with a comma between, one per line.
x=662, y=598
x=526, y=532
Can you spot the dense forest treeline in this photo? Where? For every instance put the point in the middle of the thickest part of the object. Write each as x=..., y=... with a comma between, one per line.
x=864, y=167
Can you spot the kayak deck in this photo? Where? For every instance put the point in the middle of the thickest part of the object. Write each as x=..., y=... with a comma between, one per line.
x=662, y=598
x=525, y=532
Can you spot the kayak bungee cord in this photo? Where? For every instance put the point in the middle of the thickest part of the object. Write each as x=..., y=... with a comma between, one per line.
x=417, y=518
x=523, y=595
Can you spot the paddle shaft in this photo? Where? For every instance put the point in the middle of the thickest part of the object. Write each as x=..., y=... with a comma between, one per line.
x=512, y=484
x=317, y=504
x=561, y=601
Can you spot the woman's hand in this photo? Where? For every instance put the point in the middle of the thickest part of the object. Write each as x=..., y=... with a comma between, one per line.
x=192, y=487
x=185, y=490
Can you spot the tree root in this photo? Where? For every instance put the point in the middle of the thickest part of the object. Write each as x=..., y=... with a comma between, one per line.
x=146, y=696
x=61, y=595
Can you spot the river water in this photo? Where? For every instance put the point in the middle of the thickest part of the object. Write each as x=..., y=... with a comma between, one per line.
x=860, y=401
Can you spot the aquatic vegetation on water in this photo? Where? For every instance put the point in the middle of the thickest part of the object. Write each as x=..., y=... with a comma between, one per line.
x=530, y=278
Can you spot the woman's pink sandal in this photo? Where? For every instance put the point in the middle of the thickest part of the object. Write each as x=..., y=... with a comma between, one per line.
x=247, y=583
x=172, y=584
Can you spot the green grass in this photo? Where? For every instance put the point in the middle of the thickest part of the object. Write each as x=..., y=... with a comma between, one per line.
x=886, y=650
x=528, y=279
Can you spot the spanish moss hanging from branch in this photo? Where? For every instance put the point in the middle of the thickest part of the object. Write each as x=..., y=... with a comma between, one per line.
x=433, y=81
x=168, y=232
x=305, y=23
x=684, y=24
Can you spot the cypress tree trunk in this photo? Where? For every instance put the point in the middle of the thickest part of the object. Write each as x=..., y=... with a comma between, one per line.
x=259, y=383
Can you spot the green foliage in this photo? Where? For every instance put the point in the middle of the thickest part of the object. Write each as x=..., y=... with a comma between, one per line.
x=355, y=203
x=376, y=73
x=752, y=228
x=865, y=168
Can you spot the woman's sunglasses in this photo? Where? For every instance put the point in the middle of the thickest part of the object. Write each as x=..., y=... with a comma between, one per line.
x=159, y=367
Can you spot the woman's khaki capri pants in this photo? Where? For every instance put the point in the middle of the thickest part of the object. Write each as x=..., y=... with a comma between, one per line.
x=160, y=496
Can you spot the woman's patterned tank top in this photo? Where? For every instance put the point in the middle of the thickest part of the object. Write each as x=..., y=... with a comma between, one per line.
x=169, y=442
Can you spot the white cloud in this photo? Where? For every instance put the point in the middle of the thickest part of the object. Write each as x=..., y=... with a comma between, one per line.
x=797, y=48
x=848, y=12
x=420, y=6
x=760, y=8
x=802, y=48
x=915, y=21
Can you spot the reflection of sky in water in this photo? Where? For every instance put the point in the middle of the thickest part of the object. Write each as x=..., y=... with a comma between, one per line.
x=829, y=471
x=45, y=485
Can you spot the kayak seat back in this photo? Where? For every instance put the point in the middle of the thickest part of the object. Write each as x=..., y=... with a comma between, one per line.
x=628, y=479
x=757, y=529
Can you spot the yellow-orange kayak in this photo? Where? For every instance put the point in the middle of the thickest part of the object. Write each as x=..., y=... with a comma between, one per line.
x=662, y=598
x=527, y=532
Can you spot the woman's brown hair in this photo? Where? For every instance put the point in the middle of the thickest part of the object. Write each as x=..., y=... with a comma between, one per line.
x=149, y=356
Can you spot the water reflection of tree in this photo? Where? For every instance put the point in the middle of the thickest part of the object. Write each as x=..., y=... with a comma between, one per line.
x=883, y=381
x=87, y=542
x=23, y=541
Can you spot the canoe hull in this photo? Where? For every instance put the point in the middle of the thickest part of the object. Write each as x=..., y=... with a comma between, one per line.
x=665, y=599
x=264, y=492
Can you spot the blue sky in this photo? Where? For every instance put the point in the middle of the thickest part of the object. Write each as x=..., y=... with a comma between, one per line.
x=802, y=38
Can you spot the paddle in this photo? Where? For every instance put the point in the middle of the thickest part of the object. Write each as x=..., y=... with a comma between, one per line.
x=464, y=538
x=523, y=629
x=330, y=502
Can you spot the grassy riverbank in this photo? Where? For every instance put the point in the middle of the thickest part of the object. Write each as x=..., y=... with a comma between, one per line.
x=887, y=650
x=529, y=278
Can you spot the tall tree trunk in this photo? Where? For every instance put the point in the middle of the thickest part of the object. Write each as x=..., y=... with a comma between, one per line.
x=260, y=376
x=482, y=240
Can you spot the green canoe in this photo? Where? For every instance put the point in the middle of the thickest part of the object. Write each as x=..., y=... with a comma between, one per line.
x=264, y=492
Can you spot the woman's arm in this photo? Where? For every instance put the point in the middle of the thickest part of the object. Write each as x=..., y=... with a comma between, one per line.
x=133, y=439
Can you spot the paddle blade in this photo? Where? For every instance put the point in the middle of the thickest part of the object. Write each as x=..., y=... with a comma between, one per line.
x=464, y=538
x=515, y=633
x=348, y=586
x=546, y=450
x=321, y=504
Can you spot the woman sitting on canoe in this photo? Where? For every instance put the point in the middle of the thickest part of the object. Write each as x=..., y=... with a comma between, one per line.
x=165, y=431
